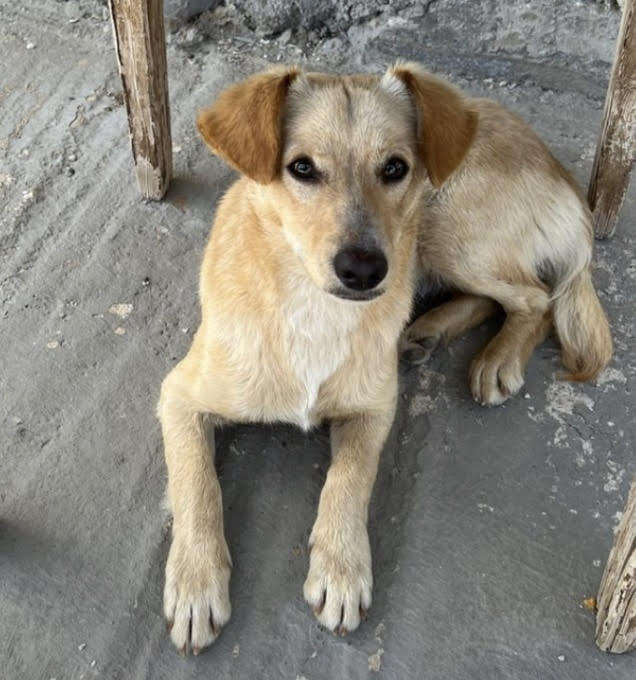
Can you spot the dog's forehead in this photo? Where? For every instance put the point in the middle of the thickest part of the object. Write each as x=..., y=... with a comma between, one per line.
x=336, y=113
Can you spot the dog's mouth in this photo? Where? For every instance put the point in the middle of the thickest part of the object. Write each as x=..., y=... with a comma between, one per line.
x=356, y=295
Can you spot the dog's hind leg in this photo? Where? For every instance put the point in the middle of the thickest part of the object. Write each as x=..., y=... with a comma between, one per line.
x=443, y=323
x=497, y=371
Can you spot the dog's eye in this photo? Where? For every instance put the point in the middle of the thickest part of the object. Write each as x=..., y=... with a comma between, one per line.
x=303, y=169
x=394, y=170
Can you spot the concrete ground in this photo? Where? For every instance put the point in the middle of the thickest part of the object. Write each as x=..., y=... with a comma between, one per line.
x=488, y=526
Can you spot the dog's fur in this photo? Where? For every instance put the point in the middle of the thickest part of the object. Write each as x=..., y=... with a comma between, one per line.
x=484, y=208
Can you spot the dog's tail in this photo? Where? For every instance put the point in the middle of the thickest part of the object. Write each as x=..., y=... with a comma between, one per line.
x=582, y=327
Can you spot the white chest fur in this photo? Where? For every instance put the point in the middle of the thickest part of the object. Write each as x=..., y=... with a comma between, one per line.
x=317, y=340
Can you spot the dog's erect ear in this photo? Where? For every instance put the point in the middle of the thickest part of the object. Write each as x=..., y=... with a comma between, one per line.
x=244, y=125
x=445, y=124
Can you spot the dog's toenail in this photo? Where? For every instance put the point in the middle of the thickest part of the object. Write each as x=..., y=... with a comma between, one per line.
x=319, y=607
x=215, y=630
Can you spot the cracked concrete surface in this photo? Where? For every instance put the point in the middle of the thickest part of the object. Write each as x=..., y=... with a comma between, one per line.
x=488, y=526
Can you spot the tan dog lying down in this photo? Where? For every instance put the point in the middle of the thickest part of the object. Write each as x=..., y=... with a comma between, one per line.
x=349, y=185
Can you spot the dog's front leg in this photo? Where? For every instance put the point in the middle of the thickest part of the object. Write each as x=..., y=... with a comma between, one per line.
x=339, y=583
x=196, y=593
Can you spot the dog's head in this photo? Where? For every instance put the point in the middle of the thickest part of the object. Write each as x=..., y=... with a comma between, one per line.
x=343, y=161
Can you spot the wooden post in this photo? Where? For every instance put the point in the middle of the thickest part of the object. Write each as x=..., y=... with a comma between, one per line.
x=616, y=615
x=141, y=52
x=615, y=148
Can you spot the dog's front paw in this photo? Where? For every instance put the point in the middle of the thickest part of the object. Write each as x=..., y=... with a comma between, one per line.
x=495, y=375
x=339, y=582
x=196, y=596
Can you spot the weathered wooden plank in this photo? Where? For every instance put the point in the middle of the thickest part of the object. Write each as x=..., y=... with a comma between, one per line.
x=616, y=615
x=141, y=53
x=615, y=148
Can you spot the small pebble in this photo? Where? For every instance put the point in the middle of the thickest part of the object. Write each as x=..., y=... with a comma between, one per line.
x=561, y=657
x=590, y=603
x=53, y=344
x=121, y=309
x=236, y=651
x=72, y=157
x=82, y=647
x=284, y=37
x=145, y=282
x=93, y=662
x=6, y=180
x=375, y=661
x=120, y=331
x=30, y=46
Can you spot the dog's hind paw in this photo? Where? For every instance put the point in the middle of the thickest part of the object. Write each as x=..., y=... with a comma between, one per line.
x=495, y=377
x=417, y=350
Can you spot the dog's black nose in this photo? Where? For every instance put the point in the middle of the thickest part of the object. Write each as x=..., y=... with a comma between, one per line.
x=360, y=269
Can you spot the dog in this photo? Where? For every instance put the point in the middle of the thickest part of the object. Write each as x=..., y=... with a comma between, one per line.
x=351, y=188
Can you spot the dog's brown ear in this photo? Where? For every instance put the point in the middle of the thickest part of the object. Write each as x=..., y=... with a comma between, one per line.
x=445, y=124
x=244, y=125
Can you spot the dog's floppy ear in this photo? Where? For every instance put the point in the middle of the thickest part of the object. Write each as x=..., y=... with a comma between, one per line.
x=244, y=125
x=445, y=124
